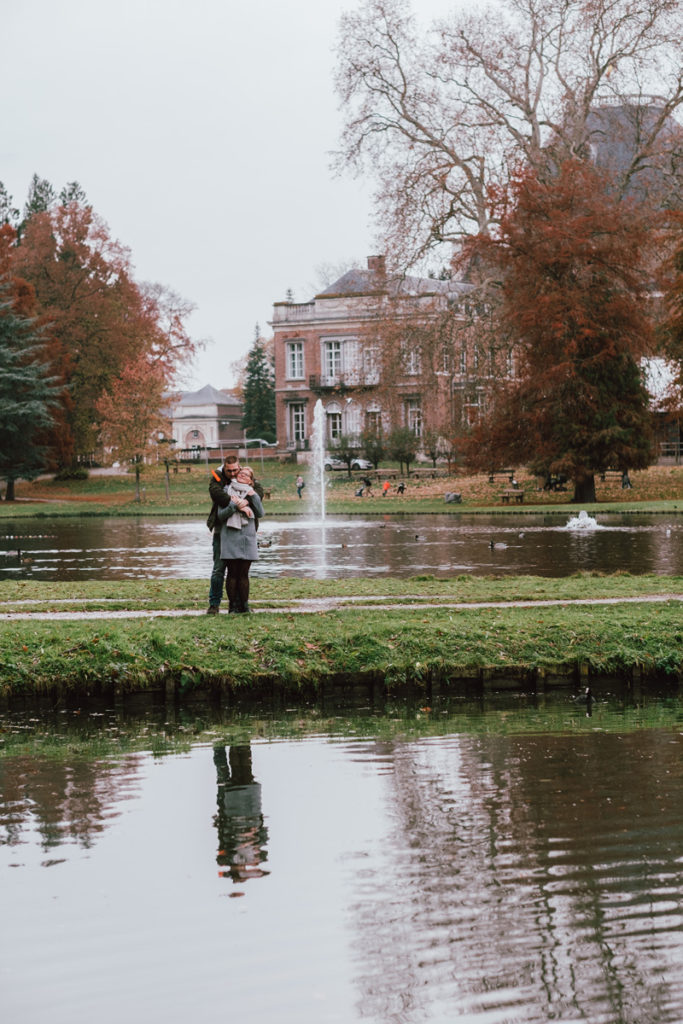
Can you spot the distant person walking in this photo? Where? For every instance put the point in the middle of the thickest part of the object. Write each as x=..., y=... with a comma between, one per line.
x=386, y=487
x=300, y=484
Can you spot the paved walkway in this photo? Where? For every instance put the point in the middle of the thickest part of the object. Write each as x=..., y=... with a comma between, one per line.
x=311, y=605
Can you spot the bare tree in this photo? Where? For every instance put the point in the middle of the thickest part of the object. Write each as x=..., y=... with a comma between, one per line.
x=444, y=116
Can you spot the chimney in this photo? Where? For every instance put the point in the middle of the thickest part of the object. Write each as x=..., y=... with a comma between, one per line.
x=377, y=264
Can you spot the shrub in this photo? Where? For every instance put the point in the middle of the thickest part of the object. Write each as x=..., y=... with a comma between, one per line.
x=72, y=473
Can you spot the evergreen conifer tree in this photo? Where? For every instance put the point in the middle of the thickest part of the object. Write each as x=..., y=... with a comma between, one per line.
x=259, y=392
x=41, y=196
x=9, y=214
x=27, y=394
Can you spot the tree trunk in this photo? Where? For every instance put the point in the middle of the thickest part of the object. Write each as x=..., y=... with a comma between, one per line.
x=9, y=490
x=137, y=481
x=584, y=491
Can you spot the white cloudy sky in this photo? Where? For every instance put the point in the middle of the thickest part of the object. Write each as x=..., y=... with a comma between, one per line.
x=201, y=131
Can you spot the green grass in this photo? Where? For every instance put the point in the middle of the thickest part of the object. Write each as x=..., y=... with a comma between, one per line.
x=29, y=595
x=400, y=646
x=659, y=489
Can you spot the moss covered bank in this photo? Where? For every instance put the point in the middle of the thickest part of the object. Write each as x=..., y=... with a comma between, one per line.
x=314, y=641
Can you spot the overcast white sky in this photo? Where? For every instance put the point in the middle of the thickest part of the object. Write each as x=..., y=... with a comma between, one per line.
x=201, y=131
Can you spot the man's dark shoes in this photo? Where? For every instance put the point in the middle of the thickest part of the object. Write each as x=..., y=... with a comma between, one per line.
x=212, y=609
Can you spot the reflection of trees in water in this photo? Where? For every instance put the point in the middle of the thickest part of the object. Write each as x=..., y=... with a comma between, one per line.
x=62, y=800
x=529, y=875
x=242, y=835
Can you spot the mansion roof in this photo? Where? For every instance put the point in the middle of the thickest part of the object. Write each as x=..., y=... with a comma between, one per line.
x=370, y=282
x=207, y=395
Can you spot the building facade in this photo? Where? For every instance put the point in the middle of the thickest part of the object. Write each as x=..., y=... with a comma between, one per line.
x=333, y=349
x=206, y=423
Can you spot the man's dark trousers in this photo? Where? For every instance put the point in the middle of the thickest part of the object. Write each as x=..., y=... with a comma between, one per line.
x=218, y=571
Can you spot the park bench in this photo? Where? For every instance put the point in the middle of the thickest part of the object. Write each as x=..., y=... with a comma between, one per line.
x=612, y=474
x=514, y=494
x=509, y=473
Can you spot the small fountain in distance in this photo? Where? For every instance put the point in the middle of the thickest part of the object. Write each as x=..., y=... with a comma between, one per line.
x=318, y=462
x=583, y=522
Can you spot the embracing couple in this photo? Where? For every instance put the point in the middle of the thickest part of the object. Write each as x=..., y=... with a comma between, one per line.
x=234, y=517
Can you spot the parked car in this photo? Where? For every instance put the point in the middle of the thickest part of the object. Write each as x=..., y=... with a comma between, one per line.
x=331, y=463
x=362, y=464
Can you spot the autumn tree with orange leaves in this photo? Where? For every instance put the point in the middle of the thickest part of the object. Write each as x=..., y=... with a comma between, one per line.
x=672, y=327
x=568, y=260
x=131, y=413
x=99, y=320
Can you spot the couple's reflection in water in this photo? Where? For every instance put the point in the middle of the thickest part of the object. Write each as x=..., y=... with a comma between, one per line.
x=242, y=835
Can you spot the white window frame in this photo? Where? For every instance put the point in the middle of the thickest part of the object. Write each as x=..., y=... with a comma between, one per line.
x=414, y=415
x=371, y=364
x=335, y=427
x=413, y=362
x=295, y=360
x=333, y=359
x=297, y=421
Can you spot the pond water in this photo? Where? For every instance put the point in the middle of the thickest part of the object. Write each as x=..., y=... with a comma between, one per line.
x=441, y=545
x=508, y=862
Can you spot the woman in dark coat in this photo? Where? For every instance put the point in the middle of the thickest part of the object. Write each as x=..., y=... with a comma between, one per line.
x=238, y=537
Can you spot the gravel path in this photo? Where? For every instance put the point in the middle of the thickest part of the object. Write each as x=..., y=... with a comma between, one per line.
x=312, y=605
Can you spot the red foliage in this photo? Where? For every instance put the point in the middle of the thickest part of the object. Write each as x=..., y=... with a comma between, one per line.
x=673, y=325
x=100, y=319
x=569, y=256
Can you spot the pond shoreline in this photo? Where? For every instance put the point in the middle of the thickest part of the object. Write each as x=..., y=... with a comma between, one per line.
x=367, y=690
x=277, y=510
x=348, y=648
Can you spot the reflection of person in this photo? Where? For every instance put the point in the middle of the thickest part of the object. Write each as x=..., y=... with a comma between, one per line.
x=300, y=484
x=218, y=481
x=238, y=536
x=242, y=835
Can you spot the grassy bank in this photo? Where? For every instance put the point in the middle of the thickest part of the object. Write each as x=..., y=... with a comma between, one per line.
x=285, y=655
x=659, y=488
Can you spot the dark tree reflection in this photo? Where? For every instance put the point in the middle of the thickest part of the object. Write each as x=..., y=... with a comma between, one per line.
x=64, y=801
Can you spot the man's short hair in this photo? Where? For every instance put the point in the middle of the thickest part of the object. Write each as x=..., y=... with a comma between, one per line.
x=230, y=460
